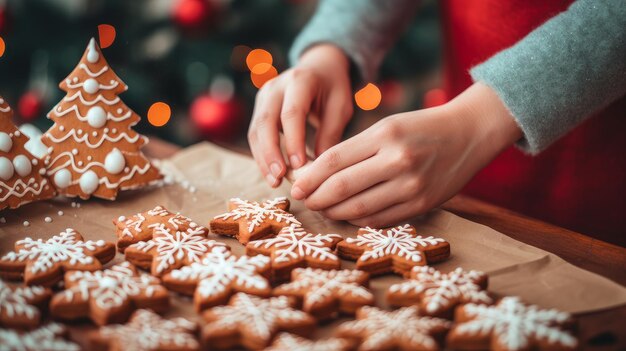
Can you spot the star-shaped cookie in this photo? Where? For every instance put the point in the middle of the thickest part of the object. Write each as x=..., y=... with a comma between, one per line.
x=19, y=306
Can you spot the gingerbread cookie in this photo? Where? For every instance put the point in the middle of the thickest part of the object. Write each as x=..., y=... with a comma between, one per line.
x=43, y=262
x=252, y=322
x=398, y=249
x=436, y=293
x=108, y=296
x=147, y=331
x=92, y=148
x=403, y=329
x=19, y=307
x=324, y=293
x=511, y=325
x=294, y=247
x=250, y=220
x=140, y=226
x=218, y=275
x=286, y=341
x=21, y=179
x=50, y=337
x=170, y=249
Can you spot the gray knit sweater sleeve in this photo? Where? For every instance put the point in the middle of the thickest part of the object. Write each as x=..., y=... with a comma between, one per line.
x=562, y=72
x=364, y=29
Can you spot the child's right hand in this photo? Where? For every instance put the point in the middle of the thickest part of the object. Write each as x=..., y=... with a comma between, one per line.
x=318, y=84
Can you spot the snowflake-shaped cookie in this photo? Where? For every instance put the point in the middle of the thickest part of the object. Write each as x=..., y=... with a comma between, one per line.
x=108, y=296
x=218, y=275
x=437, y=293
x=511, y=325
x=140, y=226
x=286, y=341
x=43, y=262
x=147, y=331
x=402, y=329
x=295, y=247
x=252, y=322
x=397, y=249
x=170, y=249
x=324, y=293
x=50, y=337
x=250, y=220
x=18, y=306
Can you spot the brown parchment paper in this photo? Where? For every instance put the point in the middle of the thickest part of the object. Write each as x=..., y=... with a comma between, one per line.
x=514, y=268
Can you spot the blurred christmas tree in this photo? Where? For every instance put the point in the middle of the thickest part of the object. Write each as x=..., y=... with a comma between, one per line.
x=189, y=54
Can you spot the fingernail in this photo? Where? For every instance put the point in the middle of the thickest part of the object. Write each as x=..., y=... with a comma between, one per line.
x=270, y=179
x=297, y=193
x=275, y=169
x=295, y=161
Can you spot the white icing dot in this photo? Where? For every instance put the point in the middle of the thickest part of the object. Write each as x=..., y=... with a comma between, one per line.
x=73, y=204
x=114, y=130
x=6, y=168
x=119, y=111
x=79, y=131
x=26, y=223
x=79, y=163
x=74, y=152
x=94, y=134
x=62, y=128
x=121, y=219
x=88, y=182
x=75, y=79
x=91, y=86
x=106, y=130
x=114, y=162
x=48, y=220
x=60, y=213
x=126, y=170
x=5, y=142
x=92, y=53
x=34, y=161
x=89, y=158
x=62, y=178
x=96, y=117
x=17, y=133
x=42, y=171
x=22, y=165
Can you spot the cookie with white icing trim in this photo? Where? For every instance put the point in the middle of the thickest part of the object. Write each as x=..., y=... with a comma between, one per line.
x=170, y=249
x=21, y=173
x=50, y=337
x=397, y=249
x=295, y=247
x=326, y=293
x=436, y=293
x=20, y=306
x=219, y=275
x=147, y=331
x=511, y=325
x=108, y=296
x=286, y=341
x=251, y=220
x=252, y=322
x=41, y=262
x=140, y=227
x=92, y=148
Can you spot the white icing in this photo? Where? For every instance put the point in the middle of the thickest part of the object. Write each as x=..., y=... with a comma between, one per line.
x=89, y=182
x=48, y=219
x=294, y=243
x=75, y=134
x=90, y=73
x=16, y=302
x=99, y=98
x=22, y=165
x=62, y=178
x=96, y=117
x=257, y=214
x=19, y=188
x=286, y=341
x=114, y=162
x=90, y=86
x=109, y=116
x=6, y=168
x=48, y=337
x=92, y=52
x=5, y=142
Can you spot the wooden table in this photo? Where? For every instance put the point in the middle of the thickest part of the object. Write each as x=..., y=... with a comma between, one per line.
x=605, y=330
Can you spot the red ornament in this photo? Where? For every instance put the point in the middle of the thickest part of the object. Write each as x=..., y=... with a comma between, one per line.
x=29, y=105
x=214, y=118
x=194, y=15
x=434, y=97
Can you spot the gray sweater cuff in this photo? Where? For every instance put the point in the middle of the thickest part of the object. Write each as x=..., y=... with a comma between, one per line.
x=562, y=72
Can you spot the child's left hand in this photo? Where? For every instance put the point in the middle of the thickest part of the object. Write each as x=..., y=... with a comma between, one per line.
x=408, y=163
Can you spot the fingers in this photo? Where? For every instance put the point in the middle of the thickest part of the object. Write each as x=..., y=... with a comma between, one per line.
x=336, y=115
x=299, y=95
x=392, y=215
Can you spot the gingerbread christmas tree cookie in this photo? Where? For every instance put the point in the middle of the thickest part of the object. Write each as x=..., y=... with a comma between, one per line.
x=147, y=331
x=170, y=249
x=108, y=296
x=19, y=306
x=436, y=293
x=251, y=220
x=511, y=325
x=50, y=337
x=42, y=262
x=295, y=247
x=398, y=249
x=324, y=293
x=219, y=275
x=21, y=173
x=92, y=148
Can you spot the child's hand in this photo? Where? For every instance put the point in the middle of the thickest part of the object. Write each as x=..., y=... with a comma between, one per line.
x=408, y=163
x=318, y=84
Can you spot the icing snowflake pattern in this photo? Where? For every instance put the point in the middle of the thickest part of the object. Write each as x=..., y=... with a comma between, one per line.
x=515, y=325
x=219, y=269
x=294, y=243
x=439, y=290
x=257, y=213
x=17, y=301
x=68, y=246
x=286, y=341
x=48, y=337
x=148, y=331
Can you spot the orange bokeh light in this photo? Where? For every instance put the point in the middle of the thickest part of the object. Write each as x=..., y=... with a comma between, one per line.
x=267, y=74
x=258, y=56
x=368, y=98
x=106, y=33
x=2, y=46
x=261, y=68
x=159, y=114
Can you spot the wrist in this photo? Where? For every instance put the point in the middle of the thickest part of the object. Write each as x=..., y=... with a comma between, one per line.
x=325, y=55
